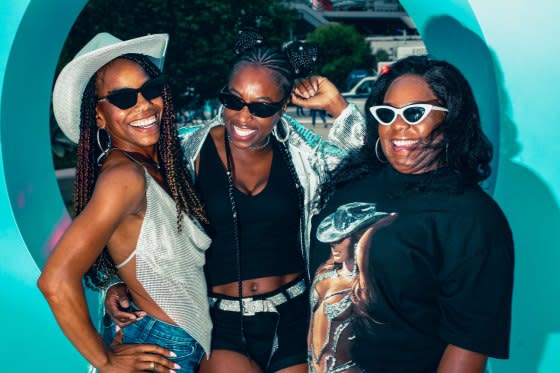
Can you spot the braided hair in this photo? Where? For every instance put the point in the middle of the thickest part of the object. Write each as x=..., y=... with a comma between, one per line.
x=296, y=60
x=174, y=172
x=285, y=67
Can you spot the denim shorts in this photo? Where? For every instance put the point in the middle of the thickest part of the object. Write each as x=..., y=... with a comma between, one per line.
x=149, y=330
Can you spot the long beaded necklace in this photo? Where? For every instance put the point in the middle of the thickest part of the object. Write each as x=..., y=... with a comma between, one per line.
x=262, y=146
x=255, y=148
x=229, y=161
x=235, y=220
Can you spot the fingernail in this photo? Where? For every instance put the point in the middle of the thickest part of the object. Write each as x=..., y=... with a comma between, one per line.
x=176, y=366
x=172, y=371
x=173, y=354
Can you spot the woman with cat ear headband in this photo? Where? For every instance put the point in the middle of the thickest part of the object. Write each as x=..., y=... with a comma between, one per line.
x=259, y=172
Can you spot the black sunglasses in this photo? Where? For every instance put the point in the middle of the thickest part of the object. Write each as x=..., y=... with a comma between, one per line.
x=258, y=109
x=125, y=98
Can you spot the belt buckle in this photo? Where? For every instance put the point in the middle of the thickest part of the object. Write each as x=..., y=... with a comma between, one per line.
x=212, y=301
x=248, y=307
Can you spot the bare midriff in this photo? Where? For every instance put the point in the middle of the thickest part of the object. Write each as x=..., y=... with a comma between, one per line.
x=139, y=295
x=256, y=286
x=143, y=301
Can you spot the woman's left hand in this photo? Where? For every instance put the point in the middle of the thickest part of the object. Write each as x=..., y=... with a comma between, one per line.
x=317, y=92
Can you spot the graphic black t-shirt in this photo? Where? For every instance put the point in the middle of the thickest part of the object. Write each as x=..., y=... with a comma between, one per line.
x=442, y=271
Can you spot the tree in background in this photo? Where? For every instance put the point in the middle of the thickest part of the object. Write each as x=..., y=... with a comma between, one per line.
x=382, y=55
x=342, y=49
x=200, y=51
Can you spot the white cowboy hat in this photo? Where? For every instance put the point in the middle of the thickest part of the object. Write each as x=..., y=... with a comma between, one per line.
x=72, y=80
x=346, y=220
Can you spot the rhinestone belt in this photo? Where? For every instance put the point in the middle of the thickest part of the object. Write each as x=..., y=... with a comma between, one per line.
x=252, y=306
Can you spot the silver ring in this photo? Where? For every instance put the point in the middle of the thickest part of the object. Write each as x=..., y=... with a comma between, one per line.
x=152, y=367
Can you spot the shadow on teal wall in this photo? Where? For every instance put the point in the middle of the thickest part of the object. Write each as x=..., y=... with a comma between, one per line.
x=525, y=197
x=443, y=36
x=32, y=213
x=534, y=216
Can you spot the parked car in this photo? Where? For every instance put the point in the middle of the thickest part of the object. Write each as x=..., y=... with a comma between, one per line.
x=360, y=92
x=354, y=76
x=349, y=4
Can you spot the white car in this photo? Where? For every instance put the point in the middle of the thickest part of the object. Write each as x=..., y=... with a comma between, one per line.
x=360, y=92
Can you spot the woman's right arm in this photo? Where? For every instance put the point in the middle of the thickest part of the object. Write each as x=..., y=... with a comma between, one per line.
x=349, y=127
x=319, y=93
x=117, y=194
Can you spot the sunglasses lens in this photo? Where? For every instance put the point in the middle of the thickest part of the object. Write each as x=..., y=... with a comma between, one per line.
x=263, y=110
x=127, y=97
x=258, y=109
x=414, y=114
x=124, y=98
x=152, y=88
x=385, y=115
x=231, y=101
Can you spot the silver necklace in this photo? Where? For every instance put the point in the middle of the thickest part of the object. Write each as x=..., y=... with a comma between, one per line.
x=262, y=146
x=340, y=272
x=255, y=148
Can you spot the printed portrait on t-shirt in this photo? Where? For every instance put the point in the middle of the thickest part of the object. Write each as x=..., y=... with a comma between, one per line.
x=341, y=289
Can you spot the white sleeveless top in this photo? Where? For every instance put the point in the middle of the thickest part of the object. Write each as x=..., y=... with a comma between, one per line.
x=169, y=264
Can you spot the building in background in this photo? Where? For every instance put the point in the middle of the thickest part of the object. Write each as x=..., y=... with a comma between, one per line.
x=386, y=27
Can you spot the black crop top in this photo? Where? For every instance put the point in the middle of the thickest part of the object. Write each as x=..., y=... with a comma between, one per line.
x=268, y=222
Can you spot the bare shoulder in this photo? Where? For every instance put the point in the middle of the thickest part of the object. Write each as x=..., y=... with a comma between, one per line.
x=217, y=133
x=120, y=179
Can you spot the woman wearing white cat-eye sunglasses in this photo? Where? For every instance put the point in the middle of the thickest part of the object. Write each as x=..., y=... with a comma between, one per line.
x=411, y=114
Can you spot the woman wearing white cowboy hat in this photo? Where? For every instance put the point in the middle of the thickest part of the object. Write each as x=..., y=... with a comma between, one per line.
x=341, y=288
x=135, y=207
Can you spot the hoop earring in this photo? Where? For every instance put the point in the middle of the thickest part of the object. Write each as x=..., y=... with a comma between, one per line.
x=104, y=152
x=286, y=130
x=355, y=269
x=220, y=113
x=377, y=152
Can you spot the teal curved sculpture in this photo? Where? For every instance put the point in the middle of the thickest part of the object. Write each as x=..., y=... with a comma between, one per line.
x=498, y=45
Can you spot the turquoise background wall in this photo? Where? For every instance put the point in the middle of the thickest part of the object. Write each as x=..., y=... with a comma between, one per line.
x=32, y=214
x=509, y=51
